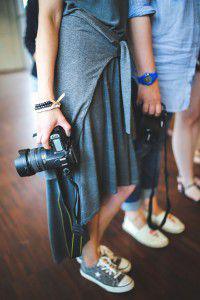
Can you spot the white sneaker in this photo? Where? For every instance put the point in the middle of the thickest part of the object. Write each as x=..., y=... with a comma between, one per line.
x=122, y=264
x=172, y=224
x=145, y=235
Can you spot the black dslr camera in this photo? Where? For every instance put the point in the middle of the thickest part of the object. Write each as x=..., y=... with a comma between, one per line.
x=151, y=129
x=62, y=159
x=61, y=156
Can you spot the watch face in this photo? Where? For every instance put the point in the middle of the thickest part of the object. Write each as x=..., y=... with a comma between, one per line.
x=148, y=79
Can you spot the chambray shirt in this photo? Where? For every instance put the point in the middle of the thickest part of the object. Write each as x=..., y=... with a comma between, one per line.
x=176, y=44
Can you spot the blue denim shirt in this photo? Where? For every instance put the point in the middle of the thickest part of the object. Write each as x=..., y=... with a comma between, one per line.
x=138, y=8
x=176, y=44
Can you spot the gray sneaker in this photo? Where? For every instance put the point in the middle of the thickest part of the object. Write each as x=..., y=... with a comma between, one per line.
x=121, y=263
x=106, y=275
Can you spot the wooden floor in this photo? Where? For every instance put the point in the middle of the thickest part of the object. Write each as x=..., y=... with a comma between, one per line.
x=26, y=267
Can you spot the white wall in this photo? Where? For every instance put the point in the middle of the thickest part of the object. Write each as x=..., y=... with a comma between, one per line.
x=12, y=54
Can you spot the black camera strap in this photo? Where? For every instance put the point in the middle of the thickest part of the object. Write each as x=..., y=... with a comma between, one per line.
x=77, y=204
x=168, y=204
x=77, y=233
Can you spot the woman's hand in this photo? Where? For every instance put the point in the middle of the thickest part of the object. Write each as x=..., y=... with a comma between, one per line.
x=150, y=97
x=46, y=122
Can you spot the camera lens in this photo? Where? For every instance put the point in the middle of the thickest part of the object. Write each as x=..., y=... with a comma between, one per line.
x=31, y=161
x=37, y=159
x=22, y=164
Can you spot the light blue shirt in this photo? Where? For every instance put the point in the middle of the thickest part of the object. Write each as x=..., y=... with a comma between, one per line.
x=176, y=44
x=138, y=8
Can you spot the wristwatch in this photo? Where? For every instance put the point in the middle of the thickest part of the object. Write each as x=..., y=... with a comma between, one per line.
x=147, y=78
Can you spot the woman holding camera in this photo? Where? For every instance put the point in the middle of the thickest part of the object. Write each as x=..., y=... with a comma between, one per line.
x=81, y=51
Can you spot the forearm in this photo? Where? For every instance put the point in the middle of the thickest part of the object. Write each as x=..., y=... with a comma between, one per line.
x=46, y=53
x=140, y=40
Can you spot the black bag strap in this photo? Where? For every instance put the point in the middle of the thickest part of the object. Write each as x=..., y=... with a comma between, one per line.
x=168, y=204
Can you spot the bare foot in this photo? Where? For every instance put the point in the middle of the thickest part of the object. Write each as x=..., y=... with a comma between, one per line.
x=90, y=254
x=136, y=217
x=156, y=209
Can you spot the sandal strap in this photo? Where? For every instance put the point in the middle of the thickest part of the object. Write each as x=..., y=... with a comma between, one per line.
x=189, y=186
x=179, y=181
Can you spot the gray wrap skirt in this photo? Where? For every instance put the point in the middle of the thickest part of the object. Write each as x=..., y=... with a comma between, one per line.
x=88, y=70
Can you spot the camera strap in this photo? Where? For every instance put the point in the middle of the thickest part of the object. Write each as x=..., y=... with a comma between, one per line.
x=168, y=204
x=76, y=233
x=77, y=205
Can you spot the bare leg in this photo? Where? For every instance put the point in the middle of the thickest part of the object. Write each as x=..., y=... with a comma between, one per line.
x=90, y=250
x=138, y=217
x=187, y=126
x=156, y=209
x=111, y=205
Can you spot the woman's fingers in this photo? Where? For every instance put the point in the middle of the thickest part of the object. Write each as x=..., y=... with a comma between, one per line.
x=47, y=121
x=151, y=99
x=45, y=139
x=39, y=137
x=145, y=108
x=158, y=109
x=151, y=109
x=46, y=136
x=66, y=126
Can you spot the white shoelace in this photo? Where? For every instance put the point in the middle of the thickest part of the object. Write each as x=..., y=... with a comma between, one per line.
x=106, y=251
x=108, y=267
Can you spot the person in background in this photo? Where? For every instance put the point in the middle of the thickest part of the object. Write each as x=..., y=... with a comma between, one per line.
x=176, y=41
x=187, y=127
x=32, y=11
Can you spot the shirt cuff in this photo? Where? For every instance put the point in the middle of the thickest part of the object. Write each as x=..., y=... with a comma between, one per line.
x=142, y=11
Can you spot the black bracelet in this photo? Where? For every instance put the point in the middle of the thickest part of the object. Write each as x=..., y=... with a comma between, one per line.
x=43, y=105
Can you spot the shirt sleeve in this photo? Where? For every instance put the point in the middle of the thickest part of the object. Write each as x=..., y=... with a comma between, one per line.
x=139, y=8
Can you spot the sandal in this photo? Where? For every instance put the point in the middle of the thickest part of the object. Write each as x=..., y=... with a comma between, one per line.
x=192, y=191
x=196, y=182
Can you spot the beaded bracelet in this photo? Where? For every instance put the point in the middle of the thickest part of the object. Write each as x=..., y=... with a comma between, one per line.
x=48, y=105
x=43, y=105
x=48, y=108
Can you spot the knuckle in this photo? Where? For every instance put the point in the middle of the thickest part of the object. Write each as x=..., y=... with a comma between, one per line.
x=68, y=125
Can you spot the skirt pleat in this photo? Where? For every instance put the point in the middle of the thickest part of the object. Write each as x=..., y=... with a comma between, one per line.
x=107, y=154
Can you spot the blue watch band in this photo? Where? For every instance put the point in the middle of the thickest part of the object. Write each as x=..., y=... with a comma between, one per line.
x=147, y=78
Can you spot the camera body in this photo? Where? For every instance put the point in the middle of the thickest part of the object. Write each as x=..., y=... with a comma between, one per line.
x=152, y=128
x=61, y=156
